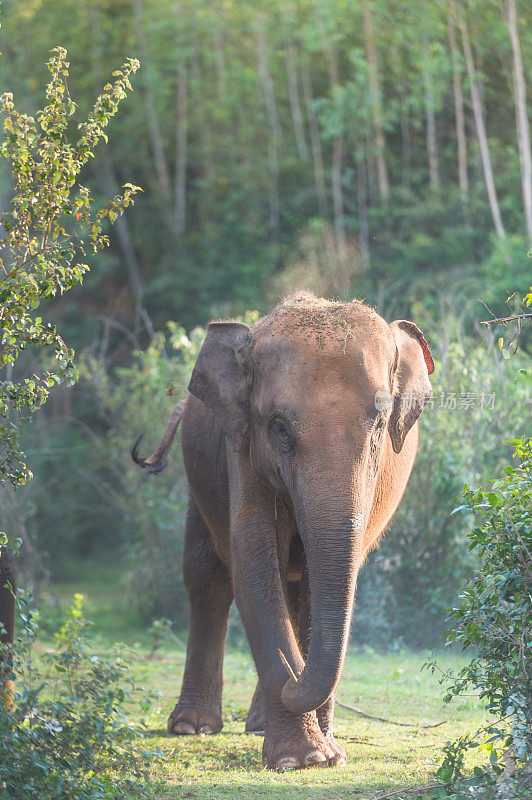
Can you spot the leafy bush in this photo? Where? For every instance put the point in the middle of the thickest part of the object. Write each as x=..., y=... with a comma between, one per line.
x=68, y=735
x=495, y=618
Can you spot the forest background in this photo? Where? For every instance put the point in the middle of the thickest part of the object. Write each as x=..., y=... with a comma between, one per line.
x=375, y=149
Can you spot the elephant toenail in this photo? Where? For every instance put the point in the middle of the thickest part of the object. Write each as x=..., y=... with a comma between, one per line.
x=338, y=760
x=182, y=728
x=315, y=759
x=286, y=763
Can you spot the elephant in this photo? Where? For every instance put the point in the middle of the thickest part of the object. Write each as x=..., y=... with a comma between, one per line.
x=298, y=438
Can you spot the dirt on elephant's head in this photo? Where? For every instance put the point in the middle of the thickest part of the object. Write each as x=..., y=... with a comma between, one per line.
x=324, y=320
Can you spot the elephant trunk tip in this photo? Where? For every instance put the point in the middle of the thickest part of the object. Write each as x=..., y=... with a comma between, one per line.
x=298, y=698
x=296, y=695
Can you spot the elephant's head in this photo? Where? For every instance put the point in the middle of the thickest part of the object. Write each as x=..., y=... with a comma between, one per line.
x=313, y=397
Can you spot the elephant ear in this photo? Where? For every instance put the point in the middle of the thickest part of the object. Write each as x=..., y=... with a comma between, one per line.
x=220, y=377
x=412, y=389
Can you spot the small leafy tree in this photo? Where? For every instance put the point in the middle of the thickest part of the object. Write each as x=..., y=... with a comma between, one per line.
x=495, y=618
x=49, y=232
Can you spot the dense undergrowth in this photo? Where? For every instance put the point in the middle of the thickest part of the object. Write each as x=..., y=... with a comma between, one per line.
x=66, y=731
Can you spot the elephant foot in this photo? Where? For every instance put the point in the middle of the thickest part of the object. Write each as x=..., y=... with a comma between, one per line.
x=338, y=749
x=298, y=744
x=188, y=720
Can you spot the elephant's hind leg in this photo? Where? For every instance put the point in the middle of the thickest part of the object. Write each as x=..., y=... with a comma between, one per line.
x=209, y=588
x=255, y=717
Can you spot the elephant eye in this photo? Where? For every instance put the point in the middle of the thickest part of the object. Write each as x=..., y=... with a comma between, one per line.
x=281, y=430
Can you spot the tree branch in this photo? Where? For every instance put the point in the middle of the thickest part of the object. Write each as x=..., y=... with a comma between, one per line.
x=505, y=319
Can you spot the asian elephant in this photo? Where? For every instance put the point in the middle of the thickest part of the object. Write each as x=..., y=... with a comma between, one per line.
x=298, y=437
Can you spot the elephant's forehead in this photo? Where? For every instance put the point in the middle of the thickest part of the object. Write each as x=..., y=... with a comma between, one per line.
x=293, y=362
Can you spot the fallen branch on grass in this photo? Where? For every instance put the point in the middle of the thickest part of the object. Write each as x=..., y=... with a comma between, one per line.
x=365, y=715
x=293, y=677
x=423, y=787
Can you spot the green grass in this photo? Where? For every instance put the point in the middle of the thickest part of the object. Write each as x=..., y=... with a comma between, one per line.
x=381, y=757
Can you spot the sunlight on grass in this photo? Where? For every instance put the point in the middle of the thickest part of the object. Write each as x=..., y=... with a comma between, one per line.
x=228, y=766
x=380, y=756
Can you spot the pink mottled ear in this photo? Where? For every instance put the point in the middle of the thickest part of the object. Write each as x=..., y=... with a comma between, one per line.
x=412, y=389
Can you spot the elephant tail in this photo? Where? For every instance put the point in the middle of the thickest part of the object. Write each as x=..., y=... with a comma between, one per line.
x=156, y=462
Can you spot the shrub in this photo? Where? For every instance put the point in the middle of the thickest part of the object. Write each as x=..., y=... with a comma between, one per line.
x=495, y=618
x=68, y=734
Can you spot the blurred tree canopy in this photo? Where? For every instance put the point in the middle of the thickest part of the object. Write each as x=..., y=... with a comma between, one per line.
x=364, y=143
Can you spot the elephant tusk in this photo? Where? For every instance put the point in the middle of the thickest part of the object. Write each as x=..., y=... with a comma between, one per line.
x=286, y=665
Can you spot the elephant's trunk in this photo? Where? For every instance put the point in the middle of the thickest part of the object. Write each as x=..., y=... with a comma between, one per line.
x=333, y=552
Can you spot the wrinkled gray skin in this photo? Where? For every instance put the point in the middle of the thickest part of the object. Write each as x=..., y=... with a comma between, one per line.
x=294, y=474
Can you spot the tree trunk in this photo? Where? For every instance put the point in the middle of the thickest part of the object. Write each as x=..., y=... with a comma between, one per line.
x=376, y=101
x=463, y=180
x=362, y=209
x=430, y=119
x=337, y=154
x=221, y=71
x=521, y=118
x=275, y=129
x=295, y=103
x=181, y=152
x=338, y=197
x=104, y=171
x=476, y=102
x=161, y=167
x=315, y=140
x=406, y=145
x=209, y=170
x=317, y=159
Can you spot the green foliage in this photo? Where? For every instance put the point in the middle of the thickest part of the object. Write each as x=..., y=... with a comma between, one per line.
x=69, y=734
x=262, y=129
x=494, y=619
x=49, y=232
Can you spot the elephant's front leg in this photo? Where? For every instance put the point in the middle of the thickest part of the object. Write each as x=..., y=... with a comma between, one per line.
x=291, y=741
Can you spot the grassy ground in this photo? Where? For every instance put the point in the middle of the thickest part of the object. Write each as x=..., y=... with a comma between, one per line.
x=381, y=757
